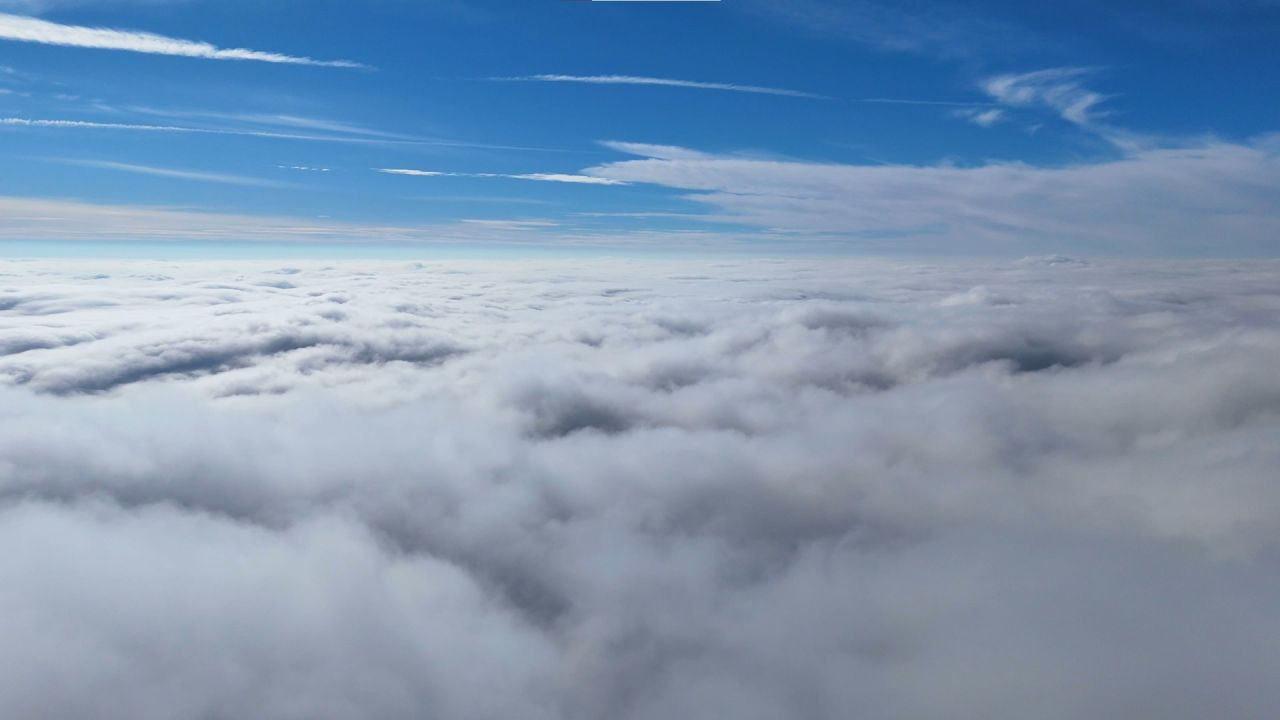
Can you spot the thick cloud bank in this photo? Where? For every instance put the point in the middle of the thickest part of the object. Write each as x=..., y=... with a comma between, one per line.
x=608, y=489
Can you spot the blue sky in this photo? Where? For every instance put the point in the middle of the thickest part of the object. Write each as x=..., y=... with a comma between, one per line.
x=1127, y=128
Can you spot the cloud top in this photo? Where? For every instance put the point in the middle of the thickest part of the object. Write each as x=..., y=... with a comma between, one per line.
x=639, y=489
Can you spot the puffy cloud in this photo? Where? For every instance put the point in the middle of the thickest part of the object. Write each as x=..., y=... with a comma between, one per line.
x=575, y=489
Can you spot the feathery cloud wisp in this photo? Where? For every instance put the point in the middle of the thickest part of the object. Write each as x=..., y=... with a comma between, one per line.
x=981, y=118
x=143, y=127
x=34, y=30
x=1059, y=89
x=540, y=177
x=412, y=173
x=665, y=82
x=369, y=137
x=910, y=101
x=178, y=174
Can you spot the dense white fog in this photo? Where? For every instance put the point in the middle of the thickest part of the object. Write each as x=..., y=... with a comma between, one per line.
x=639, y=490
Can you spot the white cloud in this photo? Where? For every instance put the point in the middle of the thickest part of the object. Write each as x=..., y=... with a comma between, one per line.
x=64, y=124
x=982, y=118
x=361, y=137
x=908, y=101
x=178, y=173
x=412, y=173
x=34, y=30
x=326, y=125
x=1059, y=89
x=639, y=490
x=540, y=177
x=931, y=27
x=513, y=224
x=567, y=178
x=665, y=152
x=46, y=123
x=664, y=82
x=1213, y=198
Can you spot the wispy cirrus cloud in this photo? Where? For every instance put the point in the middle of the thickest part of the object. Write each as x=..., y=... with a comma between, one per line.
x=277, y=120
x=926, y=27
x=662, y=82
x=177, y=173
x=65, y=124
x=540, y=177
x=367, y=138
x=1059, y=89
x=415, y=173
x=910, y=101
x=21, y=28
x=980, y=117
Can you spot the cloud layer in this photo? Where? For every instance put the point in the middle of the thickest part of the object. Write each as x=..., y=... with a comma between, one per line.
x=627, y=489
x=1214, y=198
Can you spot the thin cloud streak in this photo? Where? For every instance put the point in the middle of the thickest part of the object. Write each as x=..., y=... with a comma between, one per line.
x=20, y=28
x=178, y=174
x=944, y=103
x=141, y=127
x=539, y=177
x=414, y=173
x=326, y=125
x=933, y=29
x=664, y=82
x=566, y=178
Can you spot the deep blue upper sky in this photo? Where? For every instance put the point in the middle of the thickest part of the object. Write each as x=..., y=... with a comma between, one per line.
x=1140, y=127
